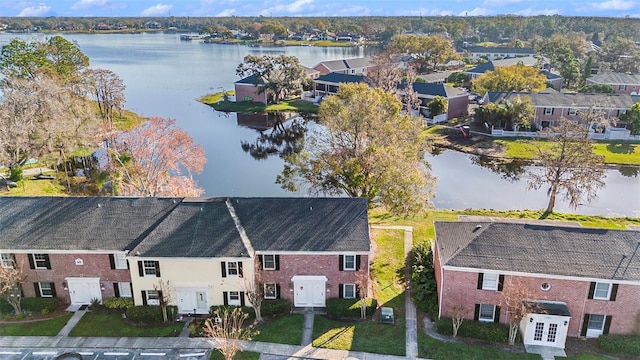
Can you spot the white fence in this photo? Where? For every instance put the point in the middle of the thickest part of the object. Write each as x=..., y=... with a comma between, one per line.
x=609, y=134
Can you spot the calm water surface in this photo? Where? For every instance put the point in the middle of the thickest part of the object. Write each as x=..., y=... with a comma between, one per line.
x=164, y=77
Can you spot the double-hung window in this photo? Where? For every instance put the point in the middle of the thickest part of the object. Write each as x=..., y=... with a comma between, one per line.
x=487, y=313
x=6, y=261
x=45, y=289
x=269, y=262
x=349, y=291
x=150, y=268
x=270, y=291
x=349, y=262
x=602, y=291
x=548, y=111
x=231, y=268
x=490, y=281
x=39, y=261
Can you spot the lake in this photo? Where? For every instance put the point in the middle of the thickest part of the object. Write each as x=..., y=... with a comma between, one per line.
x=165, y=76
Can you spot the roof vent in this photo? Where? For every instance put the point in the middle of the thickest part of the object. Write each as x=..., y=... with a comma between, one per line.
x=310, y=208
x=99, y=205
x=201, y=209
x=478, y=227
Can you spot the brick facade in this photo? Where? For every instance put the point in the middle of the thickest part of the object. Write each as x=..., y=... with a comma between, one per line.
x=460, y=287
x=64, y=266
x=249, y=91
x=458, y=106
x=327, y=265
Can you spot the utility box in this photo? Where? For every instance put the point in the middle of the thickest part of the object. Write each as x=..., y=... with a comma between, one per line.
x=386, y=315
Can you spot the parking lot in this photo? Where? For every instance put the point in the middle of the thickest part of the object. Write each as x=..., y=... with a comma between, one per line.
x=114, y=354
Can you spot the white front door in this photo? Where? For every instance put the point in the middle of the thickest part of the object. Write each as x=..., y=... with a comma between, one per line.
x=84, y=290
x=309, y=291
x=190, y=299
x=546, y=330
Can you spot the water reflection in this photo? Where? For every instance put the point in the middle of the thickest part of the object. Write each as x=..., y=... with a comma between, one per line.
x=629, y=171
x=510, y=170
x=280, y=134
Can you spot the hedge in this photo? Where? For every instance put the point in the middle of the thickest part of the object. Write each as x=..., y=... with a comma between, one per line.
x=148, y=313
x=118, y=303
x=35, y=305
x=349, y=308
x=627, y=344
x=494, y=332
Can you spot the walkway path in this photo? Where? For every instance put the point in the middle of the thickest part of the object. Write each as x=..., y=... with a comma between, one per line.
x=411, y=322
x=307, y=327
x=72, y=322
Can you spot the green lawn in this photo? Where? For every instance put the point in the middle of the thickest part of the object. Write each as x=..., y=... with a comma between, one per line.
x=438, y=350
x=587, y=357
x=369, y=336
x=622, y=153
x=241, y=355
x=37, y=328
x=111, y=324
x=297, y=105
x=284, y=330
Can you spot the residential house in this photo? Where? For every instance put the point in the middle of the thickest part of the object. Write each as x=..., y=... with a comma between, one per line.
x=289, y=235
x=495, y=53
x=458, y=100
x=551, y=106
x=356, y=66
x=622, y=83
x=553, y=79
x=247, y=89
x=204, y=251
x=75, y=248
x=577, y=281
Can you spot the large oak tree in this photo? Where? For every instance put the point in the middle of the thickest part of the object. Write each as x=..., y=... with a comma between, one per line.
x=510, y=78
x=275, y=75
x=428, y=52
x=365, y=148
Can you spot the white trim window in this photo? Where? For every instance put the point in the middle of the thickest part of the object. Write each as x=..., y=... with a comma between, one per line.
x=269, y=262
x=602, y=291
x=487, y=313
x=349, y=291
x=120, y=261
x=349, y=263
x=490, y=281
x=232, y=269
x=149, y=267
x=595, y=326
x=46, y=289
x=548, y=111
x=233, y=298
x=124, y=289
x=153, y=298
x=6, y=261
x=622, y=87
x=270, y=291
x=573, y=112
x=41, y=261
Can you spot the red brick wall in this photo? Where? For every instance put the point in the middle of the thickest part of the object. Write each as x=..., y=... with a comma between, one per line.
x=458, y=106
x=461, y=288
x=63, y=266
x=616, y=88
x=251, y=91
x=327, y=265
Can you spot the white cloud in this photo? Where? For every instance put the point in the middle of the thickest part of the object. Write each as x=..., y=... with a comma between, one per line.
x=37, y=10
x=613, y=5
x=475, y=12
x=426, y=12
x=157, y=10
x=534, y=12
x=500, y=2
x=85, y=4
x=225, y=12
x=292, y=8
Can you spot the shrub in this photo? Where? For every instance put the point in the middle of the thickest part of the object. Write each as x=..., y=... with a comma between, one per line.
x=494, y=332
x=349, y=308
x=15, y=173
x=144, y=313
x=39, y=304
x=627, y=344
x=275, y=307
x=118, y=303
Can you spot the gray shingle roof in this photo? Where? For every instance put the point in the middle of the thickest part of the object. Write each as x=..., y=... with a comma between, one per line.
x=499, y=50
x=78, y=223
x=567, y=100
x=344, y=64
x=195, y=228
x=304, y=224
x=340, y=78
x=614, y=78
x=540, y=249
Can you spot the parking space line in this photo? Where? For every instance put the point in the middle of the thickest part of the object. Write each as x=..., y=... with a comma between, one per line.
x=153, y=354
x=192, y=354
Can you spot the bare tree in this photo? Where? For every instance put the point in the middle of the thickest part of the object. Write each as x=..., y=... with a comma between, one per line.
x=254, y=290
x=11, y=278
x=514, y=296
x=457, y=317
x=385, y=73
x=107, y=90
x=569, y=165
x=227, y=331
x=163, y=288
x=362, y=283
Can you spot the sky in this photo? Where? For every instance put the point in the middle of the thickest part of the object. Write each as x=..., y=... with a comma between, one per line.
x=276, y=8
